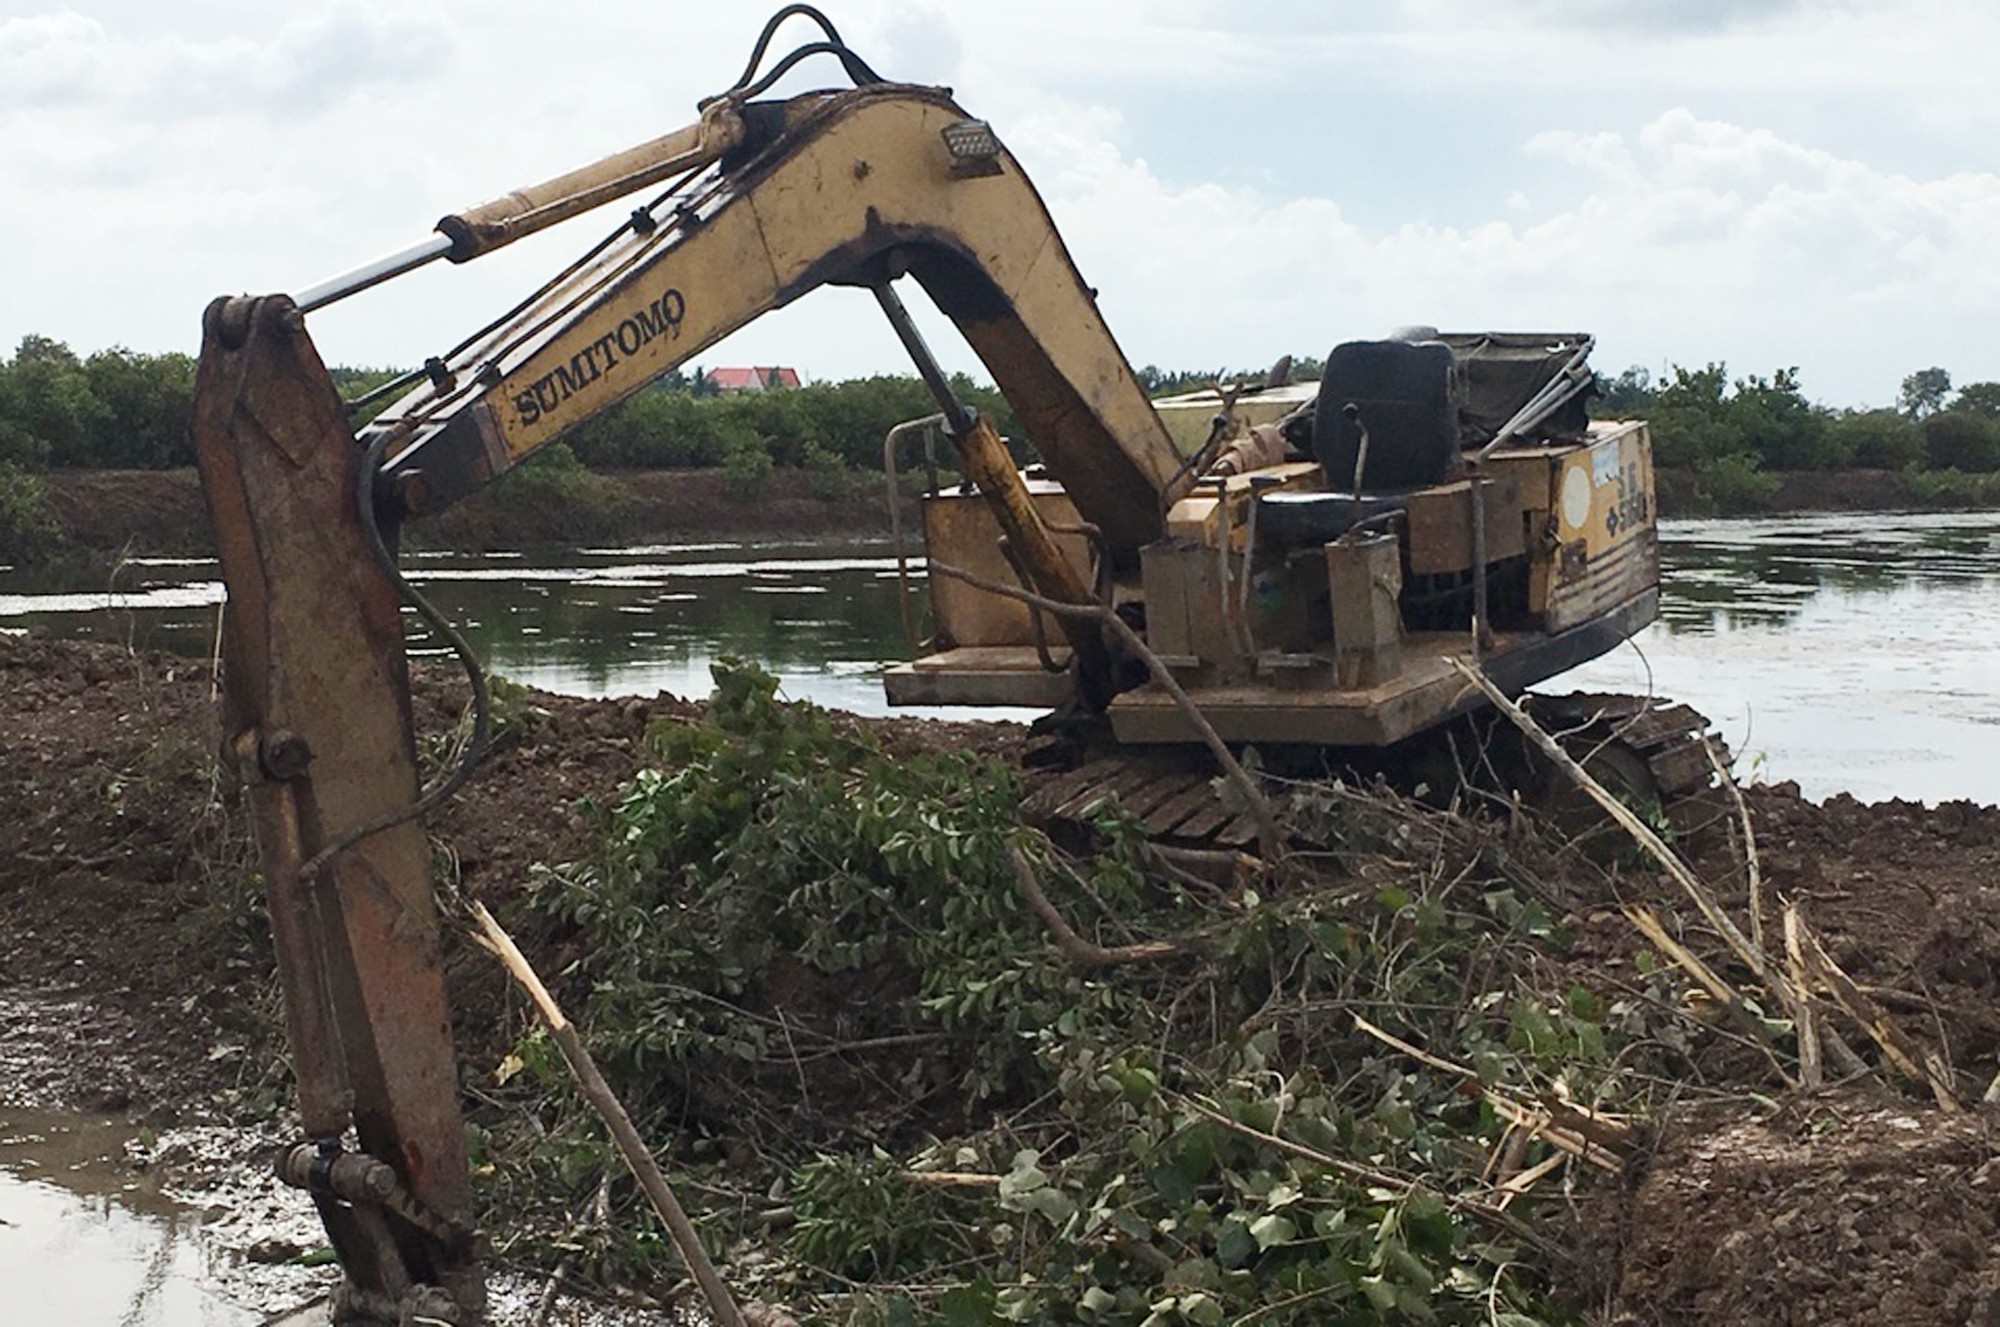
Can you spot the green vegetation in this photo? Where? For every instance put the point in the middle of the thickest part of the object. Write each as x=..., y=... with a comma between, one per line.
x=27, y=530
x=1733, y=436
x=811, y=969
x=118, y=409
x=668, y=427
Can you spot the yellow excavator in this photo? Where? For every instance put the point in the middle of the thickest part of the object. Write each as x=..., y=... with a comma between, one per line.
x=1302, y=564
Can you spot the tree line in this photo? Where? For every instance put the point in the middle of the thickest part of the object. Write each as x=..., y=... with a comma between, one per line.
x=1735, y=433
x=120, y=409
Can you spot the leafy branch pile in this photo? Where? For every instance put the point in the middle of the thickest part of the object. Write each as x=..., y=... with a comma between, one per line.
x=807, y=964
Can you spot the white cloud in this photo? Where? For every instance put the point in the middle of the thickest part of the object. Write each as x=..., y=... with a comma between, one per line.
x=1689, y=240
x=1775, y=183
x=67, y=62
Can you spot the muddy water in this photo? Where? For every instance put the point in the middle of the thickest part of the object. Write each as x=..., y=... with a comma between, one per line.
x=89, y=1236
x=84, y=1238
x=1851, y=653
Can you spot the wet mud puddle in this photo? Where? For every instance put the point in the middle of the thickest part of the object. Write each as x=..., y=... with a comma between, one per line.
x=87, y=1237
x=94, y=1233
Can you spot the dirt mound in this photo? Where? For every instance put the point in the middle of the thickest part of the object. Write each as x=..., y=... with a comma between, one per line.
x=134, y=976
x=1909, y=901
x=1837, y=1211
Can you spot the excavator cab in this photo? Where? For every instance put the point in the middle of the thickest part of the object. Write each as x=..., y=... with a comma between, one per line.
x=1455, y=504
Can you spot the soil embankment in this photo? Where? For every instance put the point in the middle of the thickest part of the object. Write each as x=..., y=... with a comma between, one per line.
x=130, y=923
x=160, y=512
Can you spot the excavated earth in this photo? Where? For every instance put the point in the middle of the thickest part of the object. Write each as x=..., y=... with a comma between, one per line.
x=132, y=982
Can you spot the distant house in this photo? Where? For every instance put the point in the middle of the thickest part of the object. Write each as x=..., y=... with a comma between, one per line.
x=751, y=379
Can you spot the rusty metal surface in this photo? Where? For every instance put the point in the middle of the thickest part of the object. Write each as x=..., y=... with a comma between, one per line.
x=315, y=687
x=1440, y=522
x=981, y=675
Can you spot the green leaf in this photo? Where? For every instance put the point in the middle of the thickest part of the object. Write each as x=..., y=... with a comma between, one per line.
x=1235, y=1246
x=1380, y=1293
x=1272, y=1229
x=1200, y=1309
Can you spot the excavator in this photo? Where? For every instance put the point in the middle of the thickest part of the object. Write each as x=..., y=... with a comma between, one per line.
x=1284, y=564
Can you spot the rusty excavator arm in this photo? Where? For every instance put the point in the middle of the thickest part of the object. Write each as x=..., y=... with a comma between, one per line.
x=762, y=202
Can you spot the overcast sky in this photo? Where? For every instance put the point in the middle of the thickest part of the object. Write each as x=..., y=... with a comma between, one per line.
x=1765, y=182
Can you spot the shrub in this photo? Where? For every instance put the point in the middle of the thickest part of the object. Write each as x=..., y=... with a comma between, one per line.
x=1735, y=483
x=745, y=467
x=1878, y=439
x=27, y=530
x=1955, y=440
x=826, y=474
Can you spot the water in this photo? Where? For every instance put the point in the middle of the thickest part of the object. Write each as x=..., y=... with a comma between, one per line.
x=1852, y=653
x=627, y=621
x=85, y=1239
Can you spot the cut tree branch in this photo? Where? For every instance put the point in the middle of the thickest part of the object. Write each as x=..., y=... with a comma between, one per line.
x=1084, y=953
x=492, y=937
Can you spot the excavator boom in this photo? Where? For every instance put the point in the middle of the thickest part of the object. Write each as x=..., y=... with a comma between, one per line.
x=853, y=188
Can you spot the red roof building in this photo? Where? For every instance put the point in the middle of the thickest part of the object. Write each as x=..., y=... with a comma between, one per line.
x=751, y=379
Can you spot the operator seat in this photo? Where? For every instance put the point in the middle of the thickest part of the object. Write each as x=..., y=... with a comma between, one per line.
x=1387, y=412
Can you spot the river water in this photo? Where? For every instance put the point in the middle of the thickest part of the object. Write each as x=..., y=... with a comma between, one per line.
x=1851, y=653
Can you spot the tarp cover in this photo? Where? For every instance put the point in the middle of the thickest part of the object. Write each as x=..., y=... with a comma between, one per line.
x=1502, y=371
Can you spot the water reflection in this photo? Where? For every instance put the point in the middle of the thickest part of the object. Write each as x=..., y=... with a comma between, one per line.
x=1736, y=572
x=1852, y=653
x=83, y=1240
x=1848, y=651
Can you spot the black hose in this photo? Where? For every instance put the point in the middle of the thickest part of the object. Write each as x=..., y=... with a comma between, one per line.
x=771, y=30
x=475, y=749
x=857, y=68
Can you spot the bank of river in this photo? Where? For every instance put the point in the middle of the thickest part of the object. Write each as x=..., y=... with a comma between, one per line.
x=111, y=513
x=102, y=845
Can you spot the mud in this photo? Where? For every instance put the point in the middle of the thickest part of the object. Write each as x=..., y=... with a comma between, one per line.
x=160, y=511
x=134, y=981
x=1830, y=1212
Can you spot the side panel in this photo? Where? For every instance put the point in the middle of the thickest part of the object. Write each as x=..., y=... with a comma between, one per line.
x=960, y=529
x=1607, y=540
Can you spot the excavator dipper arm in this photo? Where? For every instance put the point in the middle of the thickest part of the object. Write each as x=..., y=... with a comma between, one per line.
x=316, y=719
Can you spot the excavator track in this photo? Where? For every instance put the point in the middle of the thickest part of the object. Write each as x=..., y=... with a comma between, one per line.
x=1658, y=753
x=1170, y=791
x=1654, y=752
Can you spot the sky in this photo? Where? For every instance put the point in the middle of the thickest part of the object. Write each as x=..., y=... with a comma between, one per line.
x=1766, y=183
